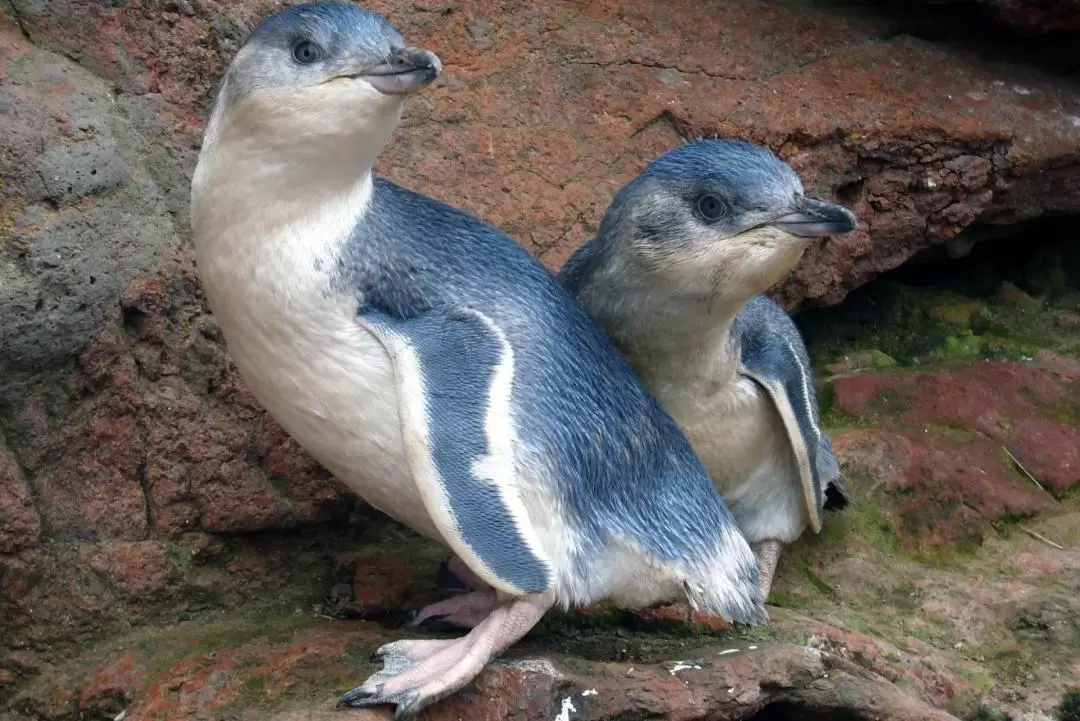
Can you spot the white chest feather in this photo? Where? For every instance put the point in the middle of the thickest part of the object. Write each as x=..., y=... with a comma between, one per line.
x=297, y=344
x=740, y=438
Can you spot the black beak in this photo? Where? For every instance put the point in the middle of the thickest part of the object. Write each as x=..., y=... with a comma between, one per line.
x=812, y=218
x=405, y=71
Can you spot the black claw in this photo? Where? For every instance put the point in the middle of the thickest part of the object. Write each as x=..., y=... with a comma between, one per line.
x=438, y=623
x=356, y=697
x=448, y=582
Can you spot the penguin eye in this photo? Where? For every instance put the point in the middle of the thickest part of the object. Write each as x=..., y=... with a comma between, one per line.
x=711, y=208
x=306, y=52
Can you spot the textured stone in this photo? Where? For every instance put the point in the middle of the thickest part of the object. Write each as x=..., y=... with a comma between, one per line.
x=109, y=685
x=924, y=141
x=1036, y=17
x=20, y=526
x=137, y=568
x=1010, y=402
x=257, y=679
x=94, y=490
x=81, y=213
x=603, y=95
x=945, y=490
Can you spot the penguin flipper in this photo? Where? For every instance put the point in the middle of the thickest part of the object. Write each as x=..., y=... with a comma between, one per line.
x=455, y=374
x=773, y=354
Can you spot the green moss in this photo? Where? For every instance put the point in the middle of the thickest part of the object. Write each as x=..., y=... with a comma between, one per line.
x=984, y=713
x=833, y=420
x=206, y=634
x=917, y=324
x=967, y=345
x=983, y=680
x=959, y=313
x=1069, y=708
x=391, y=539
x=617, y=636
x=782, y=600
x=903, y=597
x=822, y=587
x=866, y=522
x=878, y=359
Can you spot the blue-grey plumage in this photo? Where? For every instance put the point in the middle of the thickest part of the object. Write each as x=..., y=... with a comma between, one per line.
x=431, y=363
x=772, y=352
x=675, y=277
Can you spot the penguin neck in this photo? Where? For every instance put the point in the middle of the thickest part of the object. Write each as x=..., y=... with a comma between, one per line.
x=239, y=179
x=666, y=334
x=253, y=200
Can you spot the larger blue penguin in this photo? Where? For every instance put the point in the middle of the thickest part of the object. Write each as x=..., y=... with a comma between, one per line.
x=432, y=364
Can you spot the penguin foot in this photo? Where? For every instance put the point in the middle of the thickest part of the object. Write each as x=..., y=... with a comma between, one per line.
x=457, y=612
x=416, y=674
x=767, y=554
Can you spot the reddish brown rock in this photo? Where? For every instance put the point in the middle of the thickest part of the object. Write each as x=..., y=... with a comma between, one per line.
x=96, y=488
x=604, y=95
x=20, y=526
x=900, y=666
x=381, y=582
x=1008, y=402
x=681, y=613
x=1063, y=367
x=301, y=679
x=116, y=679
x=1051, y=451
x=945, y=489
x=607, y=91
x=139, y=568
x=1068, y=319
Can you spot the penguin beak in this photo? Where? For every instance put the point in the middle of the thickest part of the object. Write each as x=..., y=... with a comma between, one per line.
x=405, y=71
x=812, y=218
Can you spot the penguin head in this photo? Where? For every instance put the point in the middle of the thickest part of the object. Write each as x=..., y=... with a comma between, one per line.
x=322, y=76
x=716, y=218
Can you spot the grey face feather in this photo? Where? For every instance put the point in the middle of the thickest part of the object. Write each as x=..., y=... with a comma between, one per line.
x=657, y=238
x=315, y=43
x=707, y=191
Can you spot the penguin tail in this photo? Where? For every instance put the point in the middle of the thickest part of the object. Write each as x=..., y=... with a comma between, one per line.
x=725, y=582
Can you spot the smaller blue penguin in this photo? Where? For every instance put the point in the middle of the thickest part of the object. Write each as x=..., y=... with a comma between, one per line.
x=433, y=365
x=675, y=277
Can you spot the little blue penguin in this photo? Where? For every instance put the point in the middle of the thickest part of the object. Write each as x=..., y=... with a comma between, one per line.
x=675, y=276
x=433, y=365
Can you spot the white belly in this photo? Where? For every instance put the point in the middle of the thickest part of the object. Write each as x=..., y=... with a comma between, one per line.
x=266, y=264
x=740, y=438
x=330, y=384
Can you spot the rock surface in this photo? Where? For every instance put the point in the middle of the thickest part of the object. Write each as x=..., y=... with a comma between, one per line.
x=1038, y=16
x=273, y=676
x=140, y=483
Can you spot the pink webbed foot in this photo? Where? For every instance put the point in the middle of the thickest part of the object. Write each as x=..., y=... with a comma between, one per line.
x=416, y=674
